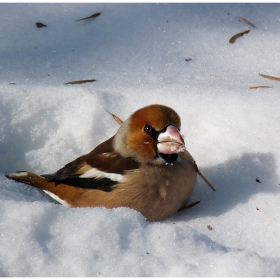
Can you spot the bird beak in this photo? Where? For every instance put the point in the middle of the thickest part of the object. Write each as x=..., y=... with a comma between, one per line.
x=170, y=141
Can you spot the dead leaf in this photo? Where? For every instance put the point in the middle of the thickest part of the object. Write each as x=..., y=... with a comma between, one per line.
x=92, y=16
x=234, y=37
x=40, y=24
x=269, y=77
x=80, y=82
x=209, y=227
x=255, y=87
x=117, y=119
x=246, y=21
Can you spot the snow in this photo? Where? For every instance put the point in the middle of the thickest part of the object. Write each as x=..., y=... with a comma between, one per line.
x=137, y=54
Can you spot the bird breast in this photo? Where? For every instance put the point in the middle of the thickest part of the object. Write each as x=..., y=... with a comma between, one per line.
x=163, y=189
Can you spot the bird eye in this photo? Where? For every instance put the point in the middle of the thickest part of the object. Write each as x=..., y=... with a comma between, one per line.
x=148, y=128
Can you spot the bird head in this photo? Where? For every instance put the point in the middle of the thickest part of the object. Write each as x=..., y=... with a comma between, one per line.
x=151, y=134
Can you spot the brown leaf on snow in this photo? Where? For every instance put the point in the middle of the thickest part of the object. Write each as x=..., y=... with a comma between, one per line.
x=80, y=82
x=246, y=21
x=256, y=87
x=258, y=180
x=40, y=24
x=234, y=37
x=117, y=119
x=92, y=16
x=269, y=77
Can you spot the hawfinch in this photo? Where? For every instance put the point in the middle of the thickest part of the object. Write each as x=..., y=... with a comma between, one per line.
x=144, y=166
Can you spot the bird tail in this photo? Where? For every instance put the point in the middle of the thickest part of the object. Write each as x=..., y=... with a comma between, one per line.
x=51, y=188
x=29, y=179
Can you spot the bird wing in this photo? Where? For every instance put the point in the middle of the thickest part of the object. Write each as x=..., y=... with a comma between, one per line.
x=101, y=169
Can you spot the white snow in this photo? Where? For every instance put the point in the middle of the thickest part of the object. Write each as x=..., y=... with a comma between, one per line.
x=137, y=54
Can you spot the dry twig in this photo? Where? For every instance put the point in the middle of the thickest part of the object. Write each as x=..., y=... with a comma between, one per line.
x=204, y=178
x=188, y=206
x=80, y=82
x=92, y=16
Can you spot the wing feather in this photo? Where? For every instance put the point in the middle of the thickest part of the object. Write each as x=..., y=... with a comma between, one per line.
x=100, y=169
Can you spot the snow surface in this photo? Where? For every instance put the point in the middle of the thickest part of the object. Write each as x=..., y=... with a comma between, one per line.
x=137, y=54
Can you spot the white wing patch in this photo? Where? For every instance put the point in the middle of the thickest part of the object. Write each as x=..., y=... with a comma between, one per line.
x=56, y=198
x=93, y=172
x=19, y=174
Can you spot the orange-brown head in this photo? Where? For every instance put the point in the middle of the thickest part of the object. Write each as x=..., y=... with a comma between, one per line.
x=151, y=134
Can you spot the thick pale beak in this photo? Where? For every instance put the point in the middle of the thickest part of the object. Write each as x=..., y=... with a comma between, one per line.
x=170, y=141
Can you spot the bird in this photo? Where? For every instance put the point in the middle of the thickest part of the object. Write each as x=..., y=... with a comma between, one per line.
x=145, y=166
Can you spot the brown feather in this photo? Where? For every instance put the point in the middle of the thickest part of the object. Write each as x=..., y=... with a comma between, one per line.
x=155, y=191
x=158, y=117
x=64, y=192
x=112, y=163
